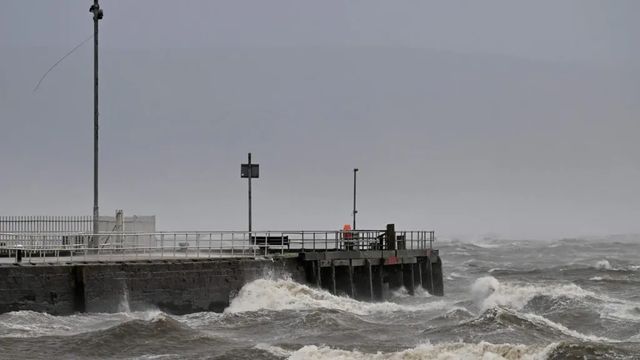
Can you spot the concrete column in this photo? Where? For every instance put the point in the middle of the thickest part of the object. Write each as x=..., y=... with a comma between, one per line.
x=343, y=278
x=79, y=300
x=318, y=272
x=352, y=286
x=427, y=281
x=394, y=277
x=333, y=278
x=378, y=282
x=419, y=270
x=436, y=277
x=408, y=278
x=370, y=273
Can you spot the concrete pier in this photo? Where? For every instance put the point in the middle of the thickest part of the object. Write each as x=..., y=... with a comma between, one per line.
x=190, y=272
x=177, y=286
x=369, y=275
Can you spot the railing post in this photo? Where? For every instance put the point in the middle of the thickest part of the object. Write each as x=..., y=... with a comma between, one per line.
x=210, y=243
x=197, y=245
x=326, y=240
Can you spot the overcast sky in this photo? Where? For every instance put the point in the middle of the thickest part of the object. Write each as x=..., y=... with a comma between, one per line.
x=514, y=118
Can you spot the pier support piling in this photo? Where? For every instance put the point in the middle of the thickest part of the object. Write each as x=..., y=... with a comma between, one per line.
x=370, y=278
x=408, y=278
x=352, y=286
x=378, y=282
x=427, y=281
x=333, y=278
x=318, y=273
x=79, y=299
x=436, y=276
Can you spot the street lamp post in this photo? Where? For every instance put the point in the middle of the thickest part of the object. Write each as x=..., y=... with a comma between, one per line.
x=355, y=172
x=97, y=15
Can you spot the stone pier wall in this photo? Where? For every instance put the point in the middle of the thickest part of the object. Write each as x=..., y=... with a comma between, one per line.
x=172, y=286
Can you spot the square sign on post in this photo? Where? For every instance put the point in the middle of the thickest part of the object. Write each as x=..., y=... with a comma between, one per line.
x=255, y=171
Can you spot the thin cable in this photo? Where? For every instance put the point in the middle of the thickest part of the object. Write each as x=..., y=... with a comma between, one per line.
x=59, y=61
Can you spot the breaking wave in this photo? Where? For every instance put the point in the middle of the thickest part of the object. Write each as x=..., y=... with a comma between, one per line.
x=482, y=350
x=603, y=265
x=129, y=337
x=606, y=265
x=286, y=294
x=487, y=292
x=33, y=324
x=504, y=321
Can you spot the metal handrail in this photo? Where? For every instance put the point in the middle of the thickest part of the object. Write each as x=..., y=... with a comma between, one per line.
x=204, y=243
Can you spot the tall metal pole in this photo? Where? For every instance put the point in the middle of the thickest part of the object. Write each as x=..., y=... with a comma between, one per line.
x=249, y=162
x=97, y=15
x=355, y=171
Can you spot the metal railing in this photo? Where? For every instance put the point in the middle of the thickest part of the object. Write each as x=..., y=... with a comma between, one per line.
x=45, y=224
x=118, y=246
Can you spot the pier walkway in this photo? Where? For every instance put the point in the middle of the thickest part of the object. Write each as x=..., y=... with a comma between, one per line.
x=72, y=247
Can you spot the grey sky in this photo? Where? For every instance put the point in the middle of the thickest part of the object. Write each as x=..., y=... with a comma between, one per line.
x=469, y=117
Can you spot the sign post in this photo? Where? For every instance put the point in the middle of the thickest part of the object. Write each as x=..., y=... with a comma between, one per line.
x=249, y=171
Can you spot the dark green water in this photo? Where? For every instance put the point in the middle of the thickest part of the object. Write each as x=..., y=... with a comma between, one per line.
x=571, y=299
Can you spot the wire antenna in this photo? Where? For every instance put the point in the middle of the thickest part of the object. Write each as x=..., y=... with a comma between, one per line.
x=59, y=61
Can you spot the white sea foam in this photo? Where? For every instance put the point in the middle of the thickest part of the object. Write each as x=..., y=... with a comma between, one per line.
x=418, y=292
x=483, y=288
x=285, y=294
x=146, y=315
x=400, y=293
x=625, y=311
x=124, y=306
x=32, y=324
x=603, y=265
x=606, y=265
x=200, y=319
x=488, y=292
x=273, y=350
x=444, y=351
x=563, y=329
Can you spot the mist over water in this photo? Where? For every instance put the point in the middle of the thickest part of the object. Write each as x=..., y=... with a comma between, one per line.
x=504, y=300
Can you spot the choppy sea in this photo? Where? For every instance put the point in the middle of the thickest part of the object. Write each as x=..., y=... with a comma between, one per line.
x=566, y=299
